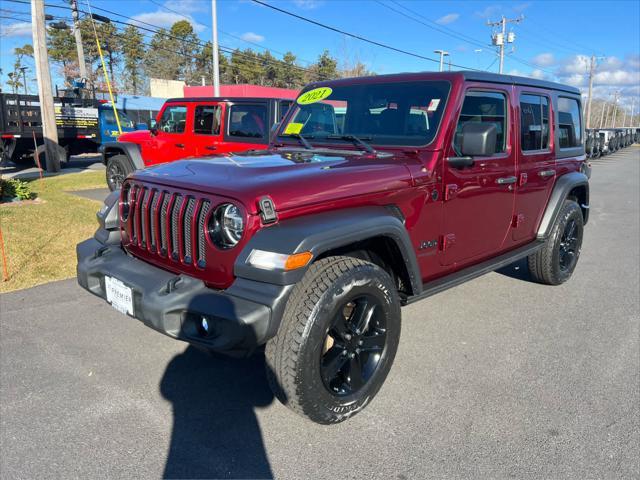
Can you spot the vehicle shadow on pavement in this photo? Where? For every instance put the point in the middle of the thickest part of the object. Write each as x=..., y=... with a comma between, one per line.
x=215, y=430
x=518, y=270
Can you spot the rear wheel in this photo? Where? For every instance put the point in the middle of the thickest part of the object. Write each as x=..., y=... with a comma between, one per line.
x=555, y=262
x=118, y=167
x=337, y=341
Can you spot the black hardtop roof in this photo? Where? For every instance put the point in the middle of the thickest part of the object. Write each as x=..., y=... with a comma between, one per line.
x=224, y=99
x=465, y=75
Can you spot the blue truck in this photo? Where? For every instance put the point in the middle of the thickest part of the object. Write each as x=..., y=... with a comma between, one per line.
x=83, y=125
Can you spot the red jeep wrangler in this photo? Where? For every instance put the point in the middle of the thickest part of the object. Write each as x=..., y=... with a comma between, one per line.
x=194, y=127
x=376, y=192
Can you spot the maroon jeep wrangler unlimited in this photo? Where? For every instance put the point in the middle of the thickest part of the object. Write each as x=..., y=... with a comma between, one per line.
x=375, y=192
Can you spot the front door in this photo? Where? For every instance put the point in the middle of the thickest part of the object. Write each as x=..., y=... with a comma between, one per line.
x=479, y=199
x=170, y=143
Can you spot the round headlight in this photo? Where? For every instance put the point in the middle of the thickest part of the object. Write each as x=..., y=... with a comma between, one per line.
x=125, y=205
x=226, y=226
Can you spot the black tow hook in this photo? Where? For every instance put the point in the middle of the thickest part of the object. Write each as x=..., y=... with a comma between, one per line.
x=101, y=251
x=172, y=284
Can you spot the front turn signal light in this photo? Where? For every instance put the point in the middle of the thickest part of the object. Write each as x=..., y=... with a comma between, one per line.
x=279, y=261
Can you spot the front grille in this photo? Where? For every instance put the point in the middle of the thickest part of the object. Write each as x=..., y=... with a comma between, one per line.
x=169, y=224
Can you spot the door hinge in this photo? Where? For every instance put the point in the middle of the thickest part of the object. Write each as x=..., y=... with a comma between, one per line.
x=447, y=241
x=517, y=220
x=450, y=191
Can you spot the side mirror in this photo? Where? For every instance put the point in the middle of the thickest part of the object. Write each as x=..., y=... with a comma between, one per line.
x=142, y=126
x=154, y=131
x=478, y=139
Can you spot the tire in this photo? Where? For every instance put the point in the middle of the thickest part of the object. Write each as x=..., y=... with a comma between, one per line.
x=312, y=363
x=118, y=167
x=555, y=262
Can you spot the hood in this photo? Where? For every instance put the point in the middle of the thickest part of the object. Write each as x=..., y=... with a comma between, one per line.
x=135, y=136
x=290, y=178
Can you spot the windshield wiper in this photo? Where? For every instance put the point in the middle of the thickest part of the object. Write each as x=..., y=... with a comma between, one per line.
x=357, y=140
x=303, y=139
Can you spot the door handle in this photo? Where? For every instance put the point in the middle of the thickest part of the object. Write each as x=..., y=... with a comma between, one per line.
x=211, y=147
x=546, y=173
x=506, y=180
x=180, y=145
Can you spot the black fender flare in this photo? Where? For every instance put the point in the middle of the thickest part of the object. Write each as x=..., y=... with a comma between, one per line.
x=563, y=186
x=129, y=149
x=322, y=232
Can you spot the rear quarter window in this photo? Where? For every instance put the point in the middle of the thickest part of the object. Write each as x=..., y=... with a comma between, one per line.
x=569, y=123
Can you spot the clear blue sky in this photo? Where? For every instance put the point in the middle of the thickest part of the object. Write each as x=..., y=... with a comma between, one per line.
x=550, y=42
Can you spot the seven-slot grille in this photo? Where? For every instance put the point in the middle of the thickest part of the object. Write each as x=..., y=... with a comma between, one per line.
x=169, y=224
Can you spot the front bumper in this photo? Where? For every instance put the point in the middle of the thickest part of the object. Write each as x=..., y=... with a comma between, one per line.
x=240, y=318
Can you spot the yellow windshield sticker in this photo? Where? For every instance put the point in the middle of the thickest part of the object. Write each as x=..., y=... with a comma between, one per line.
x=293, y=128
x=313, y=96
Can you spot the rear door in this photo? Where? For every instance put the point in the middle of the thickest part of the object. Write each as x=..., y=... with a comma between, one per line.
x=207, y=128
x=247, y=126
x=171, y=141
x=536, y=160
x=479, y=200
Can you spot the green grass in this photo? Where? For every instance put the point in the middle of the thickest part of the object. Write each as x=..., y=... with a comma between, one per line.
x=40, y=238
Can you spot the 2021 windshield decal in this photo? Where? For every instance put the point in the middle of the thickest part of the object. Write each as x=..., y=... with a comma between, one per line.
x=313, y=96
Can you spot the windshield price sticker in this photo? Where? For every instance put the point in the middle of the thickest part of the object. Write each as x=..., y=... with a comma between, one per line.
x=293, y=128
x=313, y=96
x=433, y=105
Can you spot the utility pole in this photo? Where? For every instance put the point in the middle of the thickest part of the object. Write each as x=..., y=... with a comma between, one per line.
x=442, y=54
x=501, y=38
x=592, y=68
x=47, y=111
x=78, y=34
x=216, y=66
x=633, y=101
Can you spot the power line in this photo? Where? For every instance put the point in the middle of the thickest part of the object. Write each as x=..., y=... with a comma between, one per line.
x=273, y=61
x=353, y=35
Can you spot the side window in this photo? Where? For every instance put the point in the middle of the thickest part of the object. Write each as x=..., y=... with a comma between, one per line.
x=248, y=121
x=207, y=120
x=534, y=122
x=174, y=119
x=569, y=122
x=483, y=107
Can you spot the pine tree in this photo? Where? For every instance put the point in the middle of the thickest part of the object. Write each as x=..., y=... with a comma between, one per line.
x=133, y=52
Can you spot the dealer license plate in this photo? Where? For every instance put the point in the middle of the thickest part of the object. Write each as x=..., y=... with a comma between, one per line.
x=119, y=295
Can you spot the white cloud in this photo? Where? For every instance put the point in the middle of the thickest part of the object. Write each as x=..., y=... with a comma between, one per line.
x=164, y=19
x=544, y=59
x=308, y=4
x=521, y=7
x=447, y=19
x=19, y=29
x=489, y=11
x=252, y=37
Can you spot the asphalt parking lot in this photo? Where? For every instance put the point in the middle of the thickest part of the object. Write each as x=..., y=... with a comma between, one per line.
x=498, y=378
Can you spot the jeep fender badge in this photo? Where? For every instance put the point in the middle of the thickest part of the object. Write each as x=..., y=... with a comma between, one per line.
x=267, y=210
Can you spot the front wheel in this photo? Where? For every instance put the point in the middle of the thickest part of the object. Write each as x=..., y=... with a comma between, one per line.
x=118, y=167
x=555, y=262
x=337, y=341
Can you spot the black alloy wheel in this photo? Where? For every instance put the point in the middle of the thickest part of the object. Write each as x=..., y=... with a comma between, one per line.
x=353, y=345
x=569, y=246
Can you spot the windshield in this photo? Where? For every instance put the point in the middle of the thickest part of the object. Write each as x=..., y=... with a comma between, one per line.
x=109, y=117
x=395, y=113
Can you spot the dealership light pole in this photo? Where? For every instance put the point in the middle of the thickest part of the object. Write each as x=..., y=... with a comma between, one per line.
x=442, y=54
x=216, y=66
